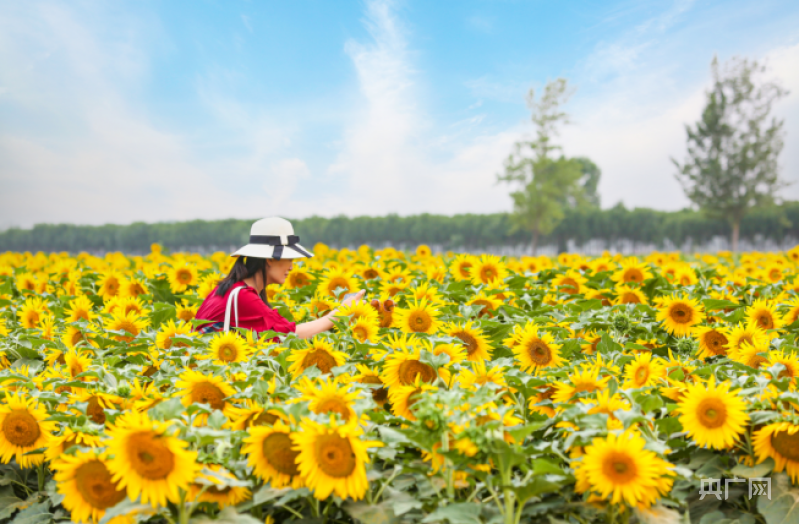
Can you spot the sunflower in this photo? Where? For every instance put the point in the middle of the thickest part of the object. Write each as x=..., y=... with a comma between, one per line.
x=582, y=380
x=298, y=277
x=423, y=251
x=109, y=283
x=23, y=429
x=270, y=453
x=712, y=415
x=32, y=312
x=253, y=414
x=79, y=308
x=712, y=342
x=332, y=458
x=418, y=317
x=372, y=378
x=357, y=311
x=320, y=305
x=181, y=277
x=428, y=292
x=319, y=353
x=764, y=314
x=628, y=295
x=749, y=355
x=779, y=441
x=77, y=363
x=680, y=314
x=96, y=404
x=74, y=336
x=608, y=404
x=537, y=350
x=334, y=279
x=392, y=288
x=789, y=360
x=742, y=335
x=632, y=271
x=488, y=303
x=330, y=397
x=68, y=438
x=170, y=330
x=643, y=371
x=474, y=341
x=480, y=375
x=148, y=462
x=133, y=287
x=227, y=348
x=205, y=389
x=85, y=482
x=185, y=311
x=403, y=367
x=461, y=267
x=619, y=468
x=209, y=283
x=209, y=490
x=571, y=282
x=488, y=269
x=365, y=330
x=130, y=323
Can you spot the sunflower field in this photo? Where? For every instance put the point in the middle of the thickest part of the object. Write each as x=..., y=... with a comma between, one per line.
x=465, y=389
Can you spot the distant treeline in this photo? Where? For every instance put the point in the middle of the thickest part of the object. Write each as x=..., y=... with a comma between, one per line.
x=468, y=231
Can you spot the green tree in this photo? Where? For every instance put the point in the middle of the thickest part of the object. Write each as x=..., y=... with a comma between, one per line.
x=546, y=186
x=731, y=165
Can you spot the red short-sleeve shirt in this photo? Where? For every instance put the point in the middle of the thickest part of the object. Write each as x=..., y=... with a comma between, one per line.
x=253, y=313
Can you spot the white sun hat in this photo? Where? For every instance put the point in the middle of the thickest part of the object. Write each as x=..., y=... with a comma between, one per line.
x=273, y=237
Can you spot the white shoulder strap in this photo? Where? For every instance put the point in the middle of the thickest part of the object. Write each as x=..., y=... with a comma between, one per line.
x=233, y=299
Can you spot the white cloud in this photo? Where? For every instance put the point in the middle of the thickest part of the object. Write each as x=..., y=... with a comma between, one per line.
x=391, y=159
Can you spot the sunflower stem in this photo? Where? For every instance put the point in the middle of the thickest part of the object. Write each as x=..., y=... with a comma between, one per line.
x=293, y=512
x=183, y=515
x=40, y=472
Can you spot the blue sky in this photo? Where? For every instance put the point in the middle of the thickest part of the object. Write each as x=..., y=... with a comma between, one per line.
x=170, y=110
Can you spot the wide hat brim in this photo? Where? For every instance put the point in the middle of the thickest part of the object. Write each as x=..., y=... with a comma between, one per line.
x=266, y=251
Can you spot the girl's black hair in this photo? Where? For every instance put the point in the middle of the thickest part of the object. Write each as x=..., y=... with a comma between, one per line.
x=245, y=267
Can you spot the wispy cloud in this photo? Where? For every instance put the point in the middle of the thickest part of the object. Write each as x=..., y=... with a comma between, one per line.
x=392, y=158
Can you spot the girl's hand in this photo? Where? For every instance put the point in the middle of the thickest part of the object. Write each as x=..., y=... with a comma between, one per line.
x=356, y=298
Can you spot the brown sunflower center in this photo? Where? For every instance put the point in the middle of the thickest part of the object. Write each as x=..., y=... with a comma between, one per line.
x=335, y=456
x=208, y=393
x=716, y=342
x=264, y=419
x=360, y=332
x=487, y=307
x=183, y=276
x=94, y=483
x=641, y=374
x=630, y=298
x=570, y=286
x=228, y=352
x=338, y=282
x=126, y=326
x=277, y=451
x=488, y=273
x=634, y=275
x=149, y=456
x=465, y=269
x=619, y=467
x=379, y=395
x=186, y=315
x=786, y=444
x=370, y=273
x=410, y=369
x=681, y=313
x=419, y=321
x=95, y=411
x=20, y=428
x=539, y=352
x=712, y=413
x=321, y=359
x=469, y=342
x=765, y=320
